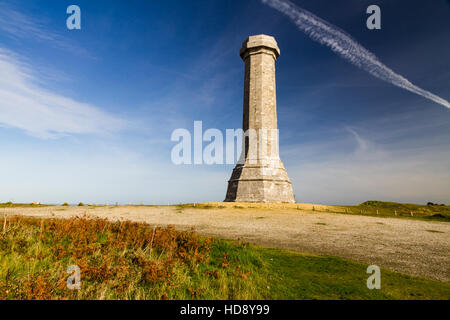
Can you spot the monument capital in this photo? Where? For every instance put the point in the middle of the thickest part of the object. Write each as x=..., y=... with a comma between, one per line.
x=259, y=44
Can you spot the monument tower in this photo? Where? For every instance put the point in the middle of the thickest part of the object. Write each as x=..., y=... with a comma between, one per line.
x=260, y=175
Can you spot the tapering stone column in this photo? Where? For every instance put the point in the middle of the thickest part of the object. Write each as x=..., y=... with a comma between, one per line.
x=260, y=175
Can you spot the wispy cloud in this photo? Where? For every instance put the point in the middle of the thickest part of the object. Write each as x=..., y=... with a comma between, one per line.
x=17, y=25
x=369, y=171
x=348, y=48
x=26, y=104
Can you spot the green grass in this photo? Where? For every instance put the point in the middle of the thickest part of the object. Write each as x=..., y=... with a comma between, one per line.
x=435, y=231
x=125, y=260
x=198, y=206
x=22, y=205
x=281, y=274
x=400, y=210
x=368, y=208
x=297, y=276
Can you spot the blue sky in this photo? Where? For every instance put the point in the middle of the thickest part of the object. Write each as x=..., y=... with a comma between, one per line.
x=86, y=115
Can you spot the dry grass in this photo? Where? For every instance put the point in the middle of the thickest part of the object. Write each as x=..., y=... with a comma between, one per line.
x=118, y=256
x=368, y=208
x=129, y=260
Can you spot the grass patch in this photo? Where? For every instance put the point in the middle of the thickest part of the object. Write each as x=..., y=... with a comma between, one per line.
x=297, y=276
x=400, y=210
x=199, y=206
x=127, y=260
x=23, y=205
x=434, y=231
x=433, y=212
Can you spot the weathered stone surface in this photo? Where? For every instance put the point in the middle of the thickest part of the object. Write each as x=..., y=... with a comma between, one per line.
x=260, y=176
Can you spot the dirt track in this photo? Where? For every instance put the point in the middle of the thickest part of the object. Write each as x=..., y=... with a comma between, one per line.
x=414, y=247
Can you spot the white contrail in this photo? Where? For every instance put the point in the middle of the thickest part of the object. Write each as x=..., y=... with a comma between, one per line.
x=344, y=45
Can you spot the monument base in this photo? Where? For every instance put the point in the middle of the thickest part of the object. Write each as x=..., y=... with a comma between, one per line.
x=259, y=183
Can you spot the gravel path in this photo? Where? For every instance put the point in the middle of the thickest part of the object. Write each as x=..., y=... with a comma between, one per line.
x=409, y=246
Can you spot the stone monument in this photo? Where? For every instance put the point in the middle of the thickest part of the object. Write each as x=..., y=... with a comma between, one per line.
x=260, y=175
